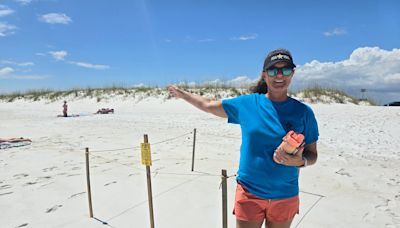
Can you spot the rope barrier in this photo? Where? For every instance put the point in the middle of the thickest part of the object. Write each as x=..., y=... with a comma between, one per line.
x=171, y=139
x=221, y=136
x=310, y=193
x=315, y=203
x=127, y=148
x=190, y=174
x=227, y=177
x=195, y=175
x=157, y=172
x=137, y=147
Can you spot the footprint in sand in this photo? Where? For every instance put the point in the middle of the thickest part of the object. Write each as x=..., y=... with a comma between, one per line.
x=45, y=177
x=49, y=169
x=390, y=183
x=6, y=193
x=76, y=194
x=114, y=182
x=383, y=205
x=21, y=175
x=6, y=186
x=343, y=173
x=53, y=208
x=43, y=185
x=105, y=170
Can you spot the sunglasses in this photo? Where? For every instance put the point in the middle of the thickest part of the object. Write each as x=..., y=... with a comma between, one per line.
x=273, y=71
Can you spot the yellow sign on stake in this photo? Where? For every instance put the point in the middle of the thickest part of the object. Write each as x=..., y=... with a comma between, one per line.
x=146, y=154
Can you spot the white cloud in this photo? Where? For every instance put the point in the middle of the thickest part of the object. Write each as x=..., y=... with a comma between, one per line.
x=22, y=64
x=9, y=73
x=58, y=55
x=335, y=32
x=91, y=66
x=242, y=81
x=23, y=2
x=55, y=18
x=245, y=37
x=6, y=71
x=6, y=29
x=4, y=11
x=369, y=68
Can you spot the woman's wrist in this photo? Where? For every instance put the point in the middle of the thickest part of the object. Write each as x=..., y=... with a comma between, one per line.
x=304, y=162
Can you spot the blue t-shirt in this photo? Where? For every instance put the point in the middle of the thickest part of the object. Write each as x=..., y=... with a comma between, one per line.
x=264, y=123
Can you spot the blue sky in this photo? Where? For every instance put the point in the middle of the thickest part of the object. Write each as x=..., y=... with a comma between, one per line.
x=61, y=44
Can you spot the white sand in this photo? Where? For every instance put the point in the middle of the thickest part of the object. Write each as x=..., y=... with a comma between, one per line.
x=44, y=184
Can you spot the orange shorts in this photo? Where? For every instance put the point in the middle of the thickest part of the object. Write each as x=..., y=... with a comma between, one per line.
x=249, y=207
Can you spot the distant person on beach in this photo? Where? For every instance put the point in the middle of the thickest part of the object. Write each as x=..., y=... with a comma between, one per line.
x=65, y=109
x=267, y=179
x=13, y=140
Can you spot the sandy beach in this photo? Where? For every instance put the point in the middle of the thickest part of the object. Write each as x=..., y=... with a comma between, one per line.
x=355, y=183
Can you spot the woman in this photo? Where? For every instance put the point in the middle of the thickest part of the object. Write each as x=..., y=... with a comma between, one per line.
x=267, y=188
x=65, y=109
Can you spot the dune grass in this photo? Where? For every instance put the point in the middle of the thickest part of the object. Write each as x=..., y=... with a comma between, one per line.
x=320, y=94
x=215, y=91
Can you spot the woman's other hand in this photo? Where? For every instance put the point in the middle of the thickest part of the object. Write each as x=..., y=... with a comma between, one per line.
x=283, y=158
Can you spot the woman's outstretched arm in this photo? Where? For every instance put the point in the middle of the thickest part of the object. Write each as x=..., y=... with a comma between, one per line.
x=202, y=103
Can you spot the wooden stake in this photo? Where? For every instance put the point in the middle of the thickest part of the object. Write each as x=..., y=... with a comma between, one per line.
x=149, y=191
x=194, y=146
x=88, y=183
x=224, y=177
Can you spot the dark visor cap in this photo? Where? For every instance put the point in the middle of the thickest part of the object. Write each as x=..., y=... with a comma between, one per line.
x=276, y=56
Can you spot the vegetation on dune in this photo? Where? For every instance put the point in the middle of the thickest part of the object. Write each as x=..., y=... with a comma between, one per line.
x=317, y=94
x=314, y=94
